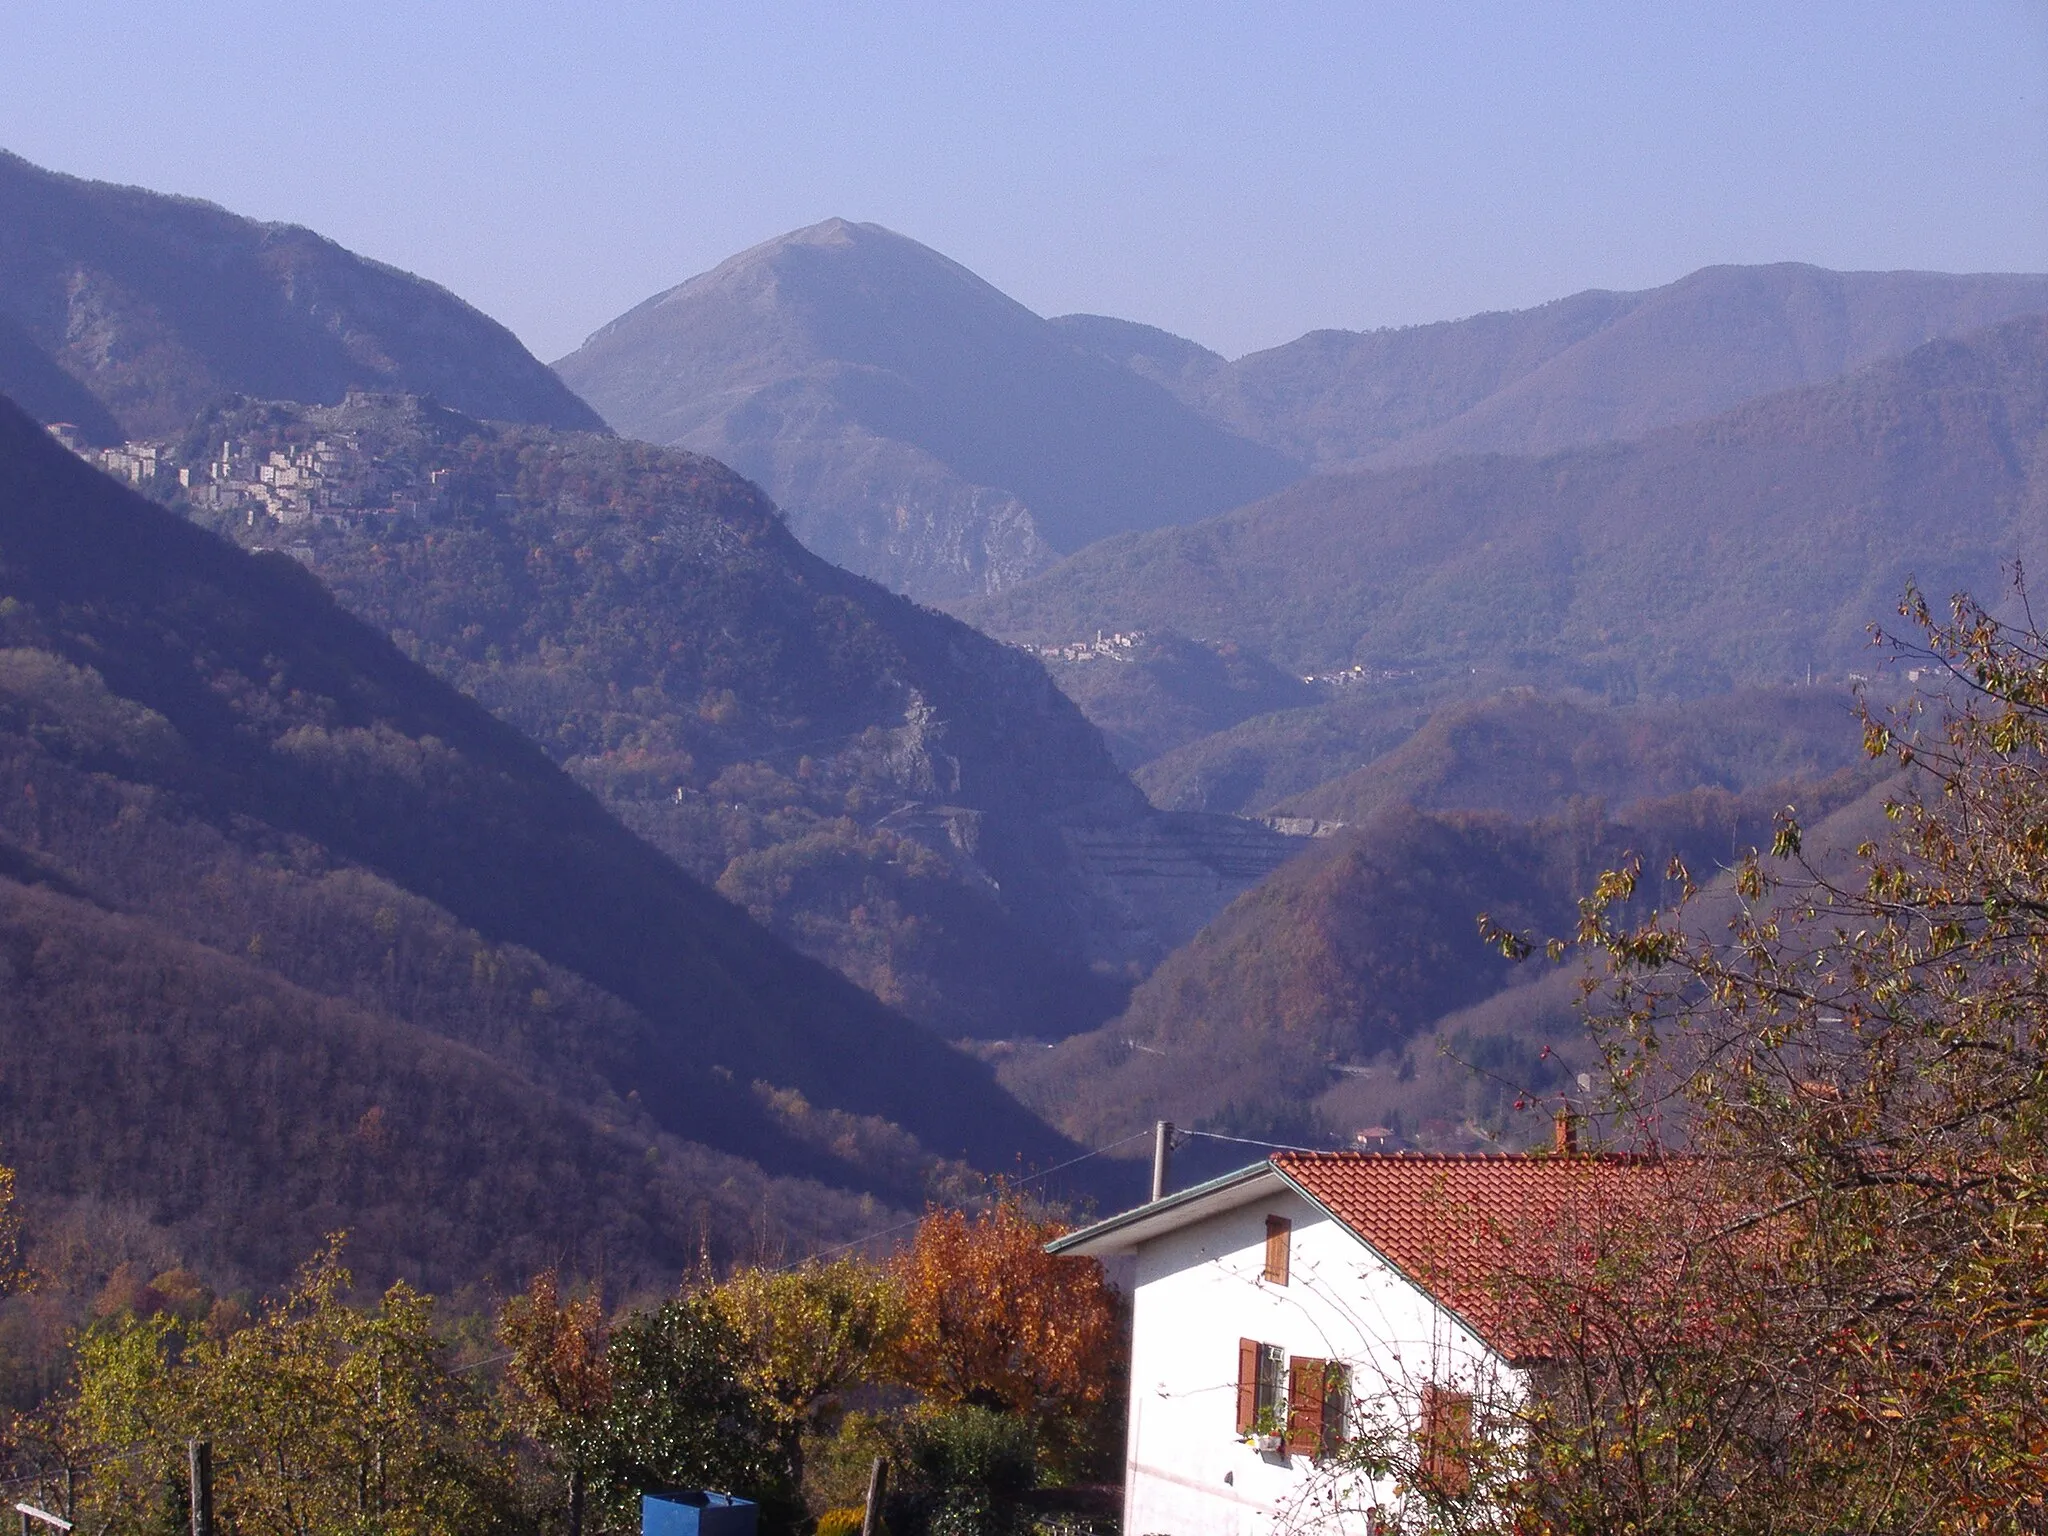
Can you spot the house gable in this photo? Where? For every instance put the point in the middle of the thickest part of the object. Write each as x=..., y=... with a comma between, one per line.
x=1202, y=1292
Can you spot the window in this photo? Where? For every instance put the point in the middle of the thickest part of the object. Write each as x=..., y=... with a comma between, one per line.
x=1261, y=1387
x=1336, y=1405
x=1444, y=1438
x=1279, y=1237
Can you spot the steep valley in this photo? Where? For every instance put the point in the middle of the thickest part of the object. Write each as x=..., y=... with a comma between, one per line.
x=340, y=949
x=890, y=790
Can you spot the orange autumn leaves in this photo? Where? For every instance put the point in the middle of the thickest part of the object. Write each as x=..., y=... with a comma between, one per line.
x=993, y=1320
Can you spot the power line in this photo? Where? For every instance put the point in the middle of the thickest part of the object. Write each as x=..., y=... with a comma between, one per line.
x=1252, y=1141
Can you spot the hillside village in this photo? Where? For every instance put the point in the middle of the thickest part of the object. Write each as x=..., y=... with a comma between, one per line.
x=289, y=484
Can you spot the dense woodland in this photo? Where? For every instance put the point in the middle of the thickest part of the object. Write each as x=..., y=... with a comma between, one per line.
x=779, y=728
x=339, y=949
x=983, y=1370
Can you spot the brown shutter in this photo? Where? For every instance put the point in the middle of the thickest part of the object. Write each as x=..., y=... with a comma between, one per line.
x=1305, y=1378
x=1247, y=1385
x=1446, y=1436
x=1279, y=1233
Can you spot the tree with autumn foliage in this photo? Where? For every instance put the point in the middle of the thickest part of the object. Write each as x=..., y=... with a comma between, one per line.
x=1845, y=1326
x=558, y=1380
x=992, y=1320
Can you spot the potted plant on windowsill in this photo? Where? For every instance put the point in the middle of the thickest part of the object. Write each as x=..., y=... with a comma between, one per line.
x=1268, y=1432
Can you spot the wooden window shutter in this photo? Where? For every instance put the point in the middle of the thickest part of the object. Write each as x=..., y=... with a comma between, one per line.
x=1445, y=1434
x=1279, y=1236
x=1305, y=1383
x=1247, y=1385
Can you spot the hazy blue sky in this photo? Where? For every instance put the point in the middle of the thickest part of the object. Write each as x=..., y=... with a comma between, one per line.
x=1237, y=173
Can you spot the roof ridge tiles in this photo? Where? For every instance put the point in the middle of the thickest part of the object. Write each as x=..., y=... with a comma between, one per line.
x=1543, y=1156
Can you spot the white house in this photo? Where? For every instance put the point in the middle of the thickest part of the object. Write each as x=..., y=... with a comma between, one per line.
x=1278, y=1307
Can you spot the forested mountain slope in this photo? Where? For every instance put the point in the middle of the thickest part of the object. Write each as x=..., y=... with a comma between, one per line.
x=918, y=425
x=205, y=743
x=1593, y=367
x=1521, y=750
x=1333, y=973
x=31, y=378
x=1531, y=754
x=1745, y=549
x=889, y=789
x=158, y=305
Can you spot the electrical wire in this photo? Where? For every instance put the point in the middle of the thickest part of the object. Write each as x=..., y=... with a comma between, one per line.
x=1250, y=1141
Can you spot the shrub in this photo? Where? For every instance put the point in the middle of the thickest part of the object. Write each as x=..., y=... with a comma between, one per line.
x=964, y=1472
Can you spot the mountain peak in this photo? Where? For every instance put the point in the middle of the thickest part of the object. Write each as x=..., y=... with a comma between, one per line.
x=918, y=424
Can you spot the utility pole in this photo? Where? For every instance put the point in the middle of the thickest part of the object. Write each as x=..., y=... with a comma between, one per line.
x=1162, y=1158
x=200, y=1453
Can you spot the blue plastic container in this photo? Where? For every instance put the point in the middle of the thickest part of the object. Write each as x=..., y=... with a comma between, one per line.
x=696, y=1512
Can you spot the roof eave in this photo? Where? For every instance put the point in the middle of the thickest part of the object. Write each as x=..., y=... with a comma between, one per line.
x=1121, y=1233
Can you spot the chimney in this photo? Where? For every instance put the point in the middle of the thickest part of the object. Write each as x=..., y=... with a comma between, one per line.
x=1567, y=1132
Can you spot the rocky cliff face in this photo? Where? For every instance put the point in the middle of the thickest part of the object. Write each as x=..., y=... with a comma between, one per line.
x=918, y=425
x=160, y=305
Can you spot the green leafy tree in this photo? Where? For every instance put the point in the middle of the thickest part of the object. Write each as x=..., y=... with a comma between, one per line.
x=680, y=1415
x=804, y=1335
x=323, y=1417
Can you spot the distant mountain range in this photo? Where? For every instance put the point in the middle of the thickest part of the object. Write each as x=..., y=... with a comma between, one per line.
x=1748, y=548
x=924, y=429
x=298, y=937
x=160, y=305
x=917, y=425
x=1594, y=367
x=329, y=943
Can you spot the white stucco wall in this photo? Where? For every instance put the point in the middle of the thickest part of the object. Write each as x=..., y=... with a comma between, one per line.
x=1198, y=1291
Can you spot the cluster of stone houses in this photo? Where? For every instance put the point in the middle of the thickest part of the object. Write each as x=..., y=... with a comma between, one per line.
x=1355, y=675
x=290, y=485
x=137, y=463
x=1120, y=646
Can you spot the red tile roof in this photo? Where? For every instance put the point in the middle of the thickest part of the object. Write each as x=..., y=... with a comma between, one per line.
x=1479, y=1232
